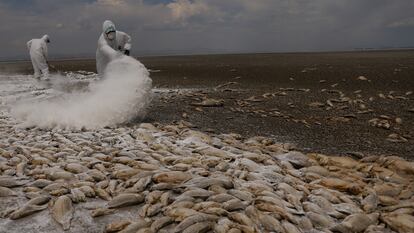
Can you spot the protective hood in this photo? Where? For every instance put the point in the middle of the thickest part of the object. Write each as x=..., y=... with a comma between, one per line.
x=46, y=38
x=108, y=26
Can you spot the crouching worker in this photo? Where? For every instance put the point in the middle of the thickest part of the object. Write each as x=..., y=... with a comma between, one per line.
x=111, y=44
x=38, y=55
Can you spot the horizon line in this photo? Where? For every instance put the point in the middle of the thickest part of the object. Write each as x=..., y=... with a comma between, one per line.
x=91, y=57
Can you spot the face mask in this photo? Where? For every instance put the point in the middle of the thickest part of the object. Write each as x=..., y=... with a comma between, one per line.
x=111, y=35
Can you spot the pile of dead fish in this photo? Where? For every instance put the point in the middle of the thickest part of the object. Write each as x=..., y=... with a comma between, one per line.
x=181, y=180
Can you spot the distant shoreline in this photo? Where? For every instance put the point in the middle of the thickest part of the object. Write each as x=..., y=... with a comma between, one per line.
x=223, y=54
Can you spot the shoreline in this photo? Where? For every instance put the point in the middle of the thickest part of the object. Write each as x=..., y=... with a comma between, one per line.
x=227, y=54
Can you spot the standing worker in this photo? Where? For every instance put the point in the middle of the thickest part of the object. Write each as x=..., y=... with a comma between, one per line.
x=111, y=44
x=38, y=55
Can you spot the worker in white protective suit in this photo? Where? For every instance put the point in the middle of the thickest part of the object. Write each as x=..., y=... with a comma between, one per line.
x=38, y=55
x=111, y=44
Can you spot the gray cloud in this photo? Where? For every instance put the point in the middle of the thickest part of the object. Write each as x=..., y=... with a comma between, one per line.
x=203, y=26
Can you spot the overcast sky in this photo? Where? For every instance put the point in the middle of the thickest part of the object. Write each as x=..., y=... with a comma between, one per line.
x=207, y=26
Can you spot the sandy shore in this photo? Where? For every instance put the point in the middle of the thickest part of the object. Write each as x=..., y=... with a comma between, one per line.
x=321, y=102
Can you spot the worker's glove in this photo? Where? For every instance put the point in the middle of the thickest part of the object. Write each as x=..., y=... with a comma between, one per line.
x=126, y=52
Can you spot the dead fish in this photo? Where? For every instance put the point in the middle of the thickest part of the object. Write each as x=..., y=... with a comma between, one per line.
x=75, y=168
x=288, y=189
x=153, y=197
x=54, y=186
x=241, y=218
x=125, y=174
x=209, y=103
x=270, y=223
x=215, y=211
x=20, y=168
x=117, y=226
x=62, y=211
x=59, y=192
x=377, y=229
x=88, y=191
x=11, y=182
x=198, y=192
x=160, y=223
x=112, y=187
x=399, y=206
x=235, y=204
x=77, y=195
x=400, y=222
x=6, y=213
x=60, y=175
x=295, y=201
x=312, y=207
x=31, y=195
x=319, y=220
x=163, y=186
x=327, y=195
x=205, y=182
x=41, y=183
x=125, y=199
x=305, y=224
x=356, y=223
x=317, y=170
x=276, y=209
x=145, y=230
x=297, y=159
x=325, y=205
x=141, y=184
x=341, y=185
x=154, y=209
x=234, y=230
x=135, y=226
x=401, y=166
x=342, y=161
x=102, y=194
x=6, y=192
x=181, y=213
x=243, y=228
x=26, y=210
x=193, y=220
x=272, y=200
x=40, y=200
x=171, y=177
x=223, y=225
x=347, y=208
x=166, y=198
x=101, y=211
x=96, y=175
x=242, y=195
x=387, y=200
x=201, y=227
x=223, y=197
x=289, y=227
x=186, y=203
x=206, y=204
x=387, y=189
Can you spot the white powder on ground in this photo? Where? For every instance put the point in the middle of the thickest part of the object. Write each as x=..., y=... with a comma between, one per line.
x=121, y=96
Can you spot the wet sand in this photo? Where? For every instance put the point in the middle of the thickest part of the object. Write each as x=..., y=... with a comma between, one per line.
x=317, y=101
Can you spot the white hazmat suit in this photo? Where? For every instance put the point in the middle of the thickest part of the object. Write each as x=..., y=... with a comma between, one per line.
x=111, y=45
x=38, y=55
